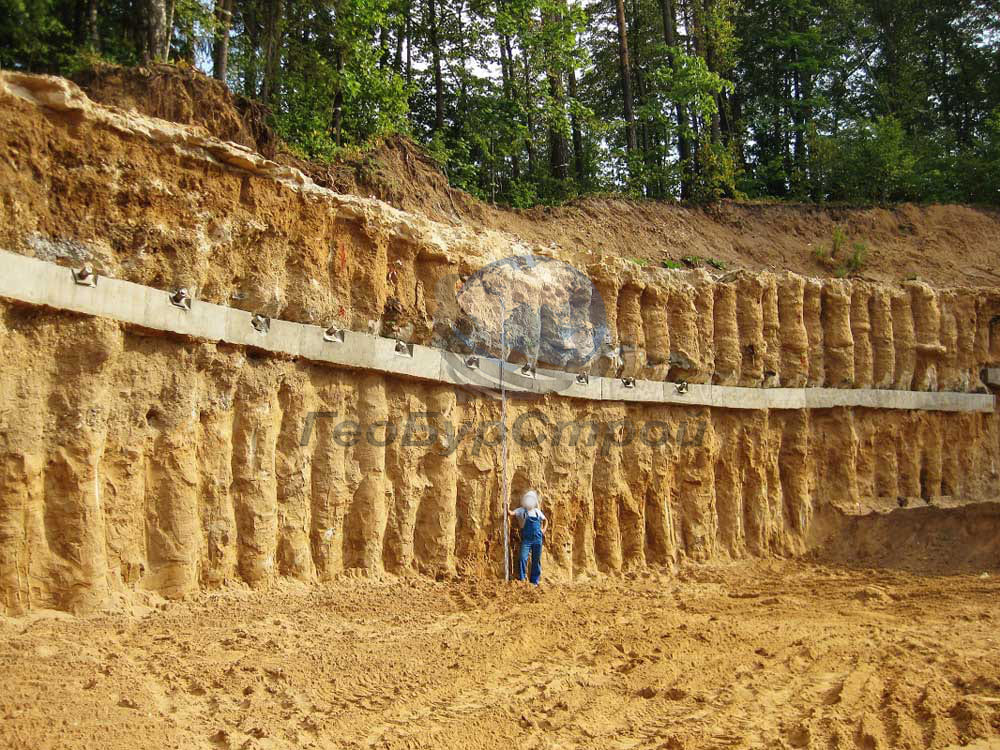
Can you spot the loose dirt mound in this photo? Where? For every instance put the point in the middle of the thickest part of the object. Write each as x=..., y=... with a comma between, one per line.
x=944, y=245
x=185, y=96
x=402, y=174
x=766, y=655
x=928, y=539
x=939, y=244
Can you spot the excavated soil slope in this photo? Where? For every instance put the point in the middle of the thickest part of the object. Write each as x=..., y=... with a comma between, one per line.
x=246, y=588
x=133, y=462
x=942, y=244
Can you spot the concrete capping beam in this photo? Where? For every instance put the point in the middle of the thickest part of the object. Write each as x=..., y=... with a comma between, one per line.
x=697, y=394
x=732, y=397
x=38, y=282
x=638, y=390
x=568, y=384
x=411, y=360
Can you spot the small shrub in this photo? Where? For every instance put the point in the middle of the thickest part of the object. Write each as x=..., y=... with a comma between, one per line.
x=839, y=238
x=832, y=257
x=855, y=262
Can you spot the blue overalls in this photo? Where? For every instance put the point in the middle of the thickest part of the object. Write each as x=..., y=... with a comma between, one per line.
x=531, y=545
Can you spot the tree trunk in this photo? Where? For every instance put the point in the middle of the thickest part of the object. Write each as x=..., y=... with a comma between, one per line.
x=169, y=31
x=409, y=45
x=338, y=99
x=578, y=165
x=640, y=90
x=683, y=143
x=529, y=142
x=272, y=54
x=626, y=76
x=558, y=150
x=436, y=60
x=156, y=31
x=93, y=38
x=705, y=48
x=798, y=122
x=220, y=47
x=401, y=36
x=383, y=44
x=463, y=78
x=507, y=68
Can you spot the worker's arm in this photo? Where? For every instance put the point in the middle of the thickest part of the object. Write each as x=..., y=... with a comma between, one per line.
x=545, y=525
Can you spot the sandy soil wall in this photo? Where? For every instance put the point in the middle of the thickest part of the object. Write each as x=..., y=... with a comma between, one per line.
x=137, y=462
x=169, y=206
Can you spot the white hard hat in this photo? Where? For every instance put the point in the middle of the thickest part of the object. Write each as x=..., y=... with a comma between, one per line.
x=530, y=500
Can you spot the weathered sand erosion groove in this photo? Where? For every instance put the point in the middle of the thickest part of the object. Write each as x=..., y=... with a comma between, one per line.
x=138, y=462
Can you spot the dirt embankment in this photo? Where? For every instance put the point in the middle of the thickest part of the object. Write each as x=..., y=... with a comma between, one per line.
x=941, y=244
x=185, y=96
x=250, y=589
x=942, y=538
x=135, y=463
x=139, y=463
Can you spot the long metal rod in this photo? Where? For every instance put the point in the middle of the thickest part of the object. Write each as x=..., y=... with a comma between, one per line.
x=503, y=438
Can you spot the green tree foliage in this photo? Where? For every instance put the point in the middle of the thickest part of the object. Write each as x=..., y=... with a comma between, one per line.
x=538, y=101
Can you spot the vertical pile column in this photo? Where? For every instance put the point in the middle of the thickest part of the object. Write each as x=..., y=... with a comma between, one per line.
x=685, y=349
x=630, y=330
x=927, y=333
x=812, y=313
x=437, y=516
x=654, y=308
x=73, y=514
x=695, y=485
x=883, y=346
x=750, y=319
x=704, y=303
x=293, y=470
x=837, y=336
x=794, y=337
x=365, y=524
x=610, y=490
x=772, y=331
x=24, y=390
x=215, y=457
x=173, y=528
x=330, y=488
x=864, y=366
x=795, y=466
x=728, y=359
x=729, y=482
x=255, y=490
x=903, y=340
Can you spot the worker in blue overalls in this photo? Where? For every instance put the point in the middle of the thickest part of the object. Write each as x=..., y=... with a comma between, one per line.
x=533, y=524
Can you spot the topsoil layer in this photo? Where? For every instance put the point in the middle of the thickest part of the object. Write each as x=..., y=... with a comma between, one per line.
x=942, y=244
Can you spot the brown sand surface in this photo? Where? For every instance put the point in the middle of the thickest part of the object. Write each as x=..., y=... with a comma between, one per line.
x=768, y=654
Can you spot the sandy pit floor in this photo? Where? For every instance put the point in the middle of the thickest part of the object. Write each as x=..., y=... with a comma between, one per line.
x=764, y=654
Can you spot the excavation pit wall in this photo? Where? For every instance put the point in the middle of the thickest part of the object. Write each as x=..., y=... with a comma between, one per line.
x=169, y=206
x=135, y=460
x=141, y=460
